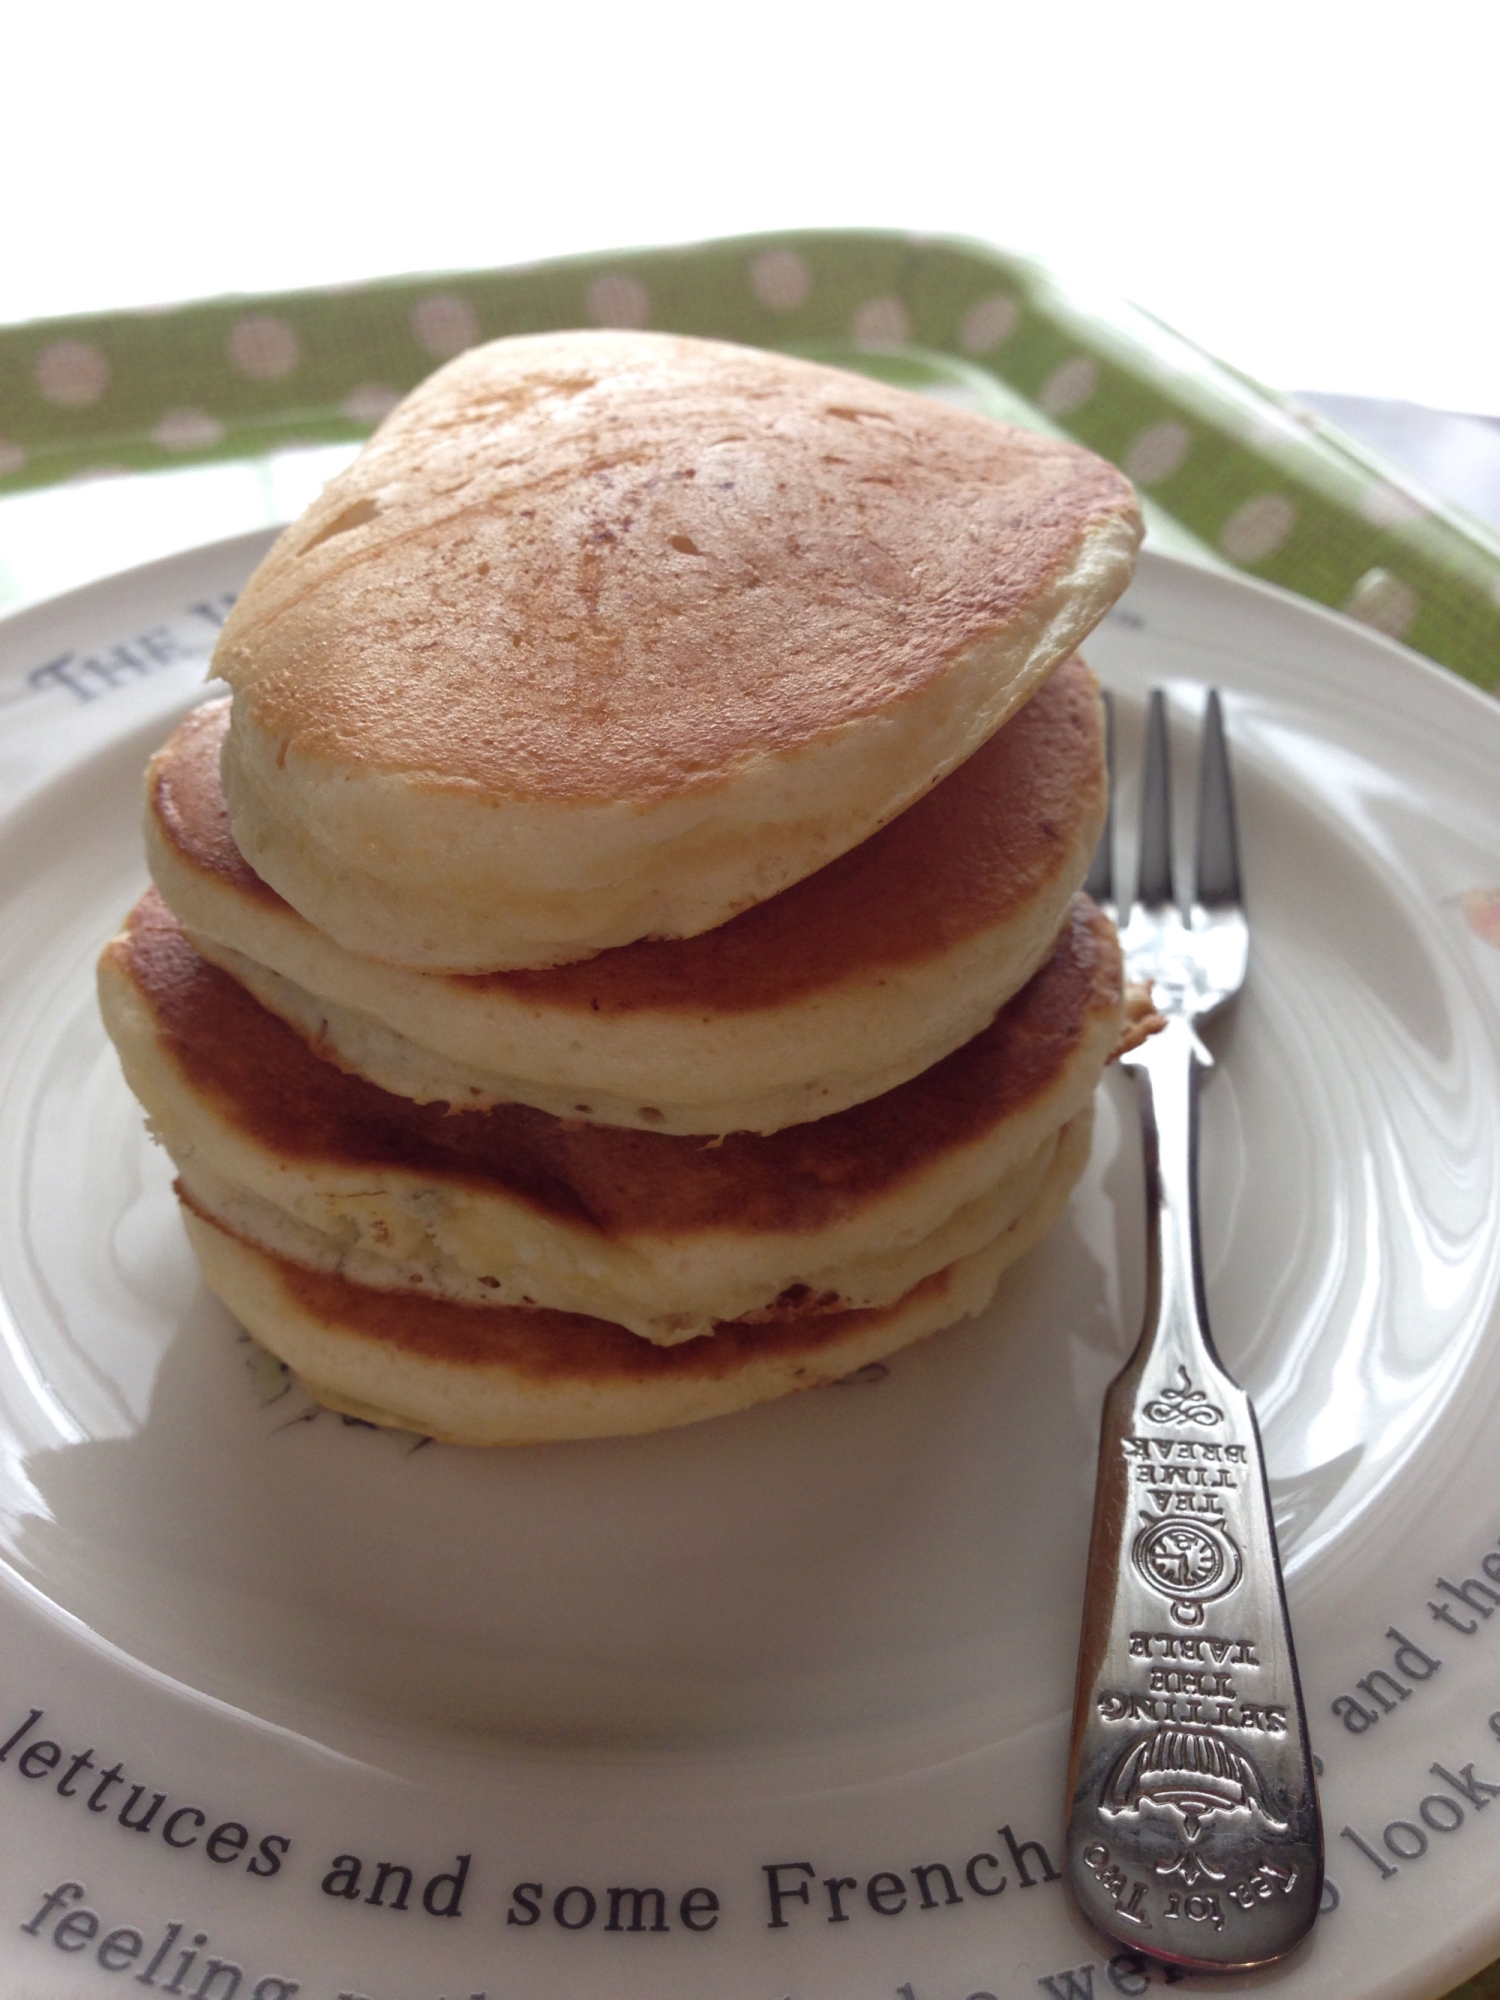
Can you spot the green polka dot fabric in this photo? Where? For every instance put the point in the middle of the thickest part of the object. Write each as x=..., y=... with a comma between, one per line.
x=1228, y=469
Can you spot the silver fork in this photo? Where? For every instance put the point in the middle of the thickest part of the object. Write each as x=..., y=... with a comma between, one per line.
x=1193, y=1827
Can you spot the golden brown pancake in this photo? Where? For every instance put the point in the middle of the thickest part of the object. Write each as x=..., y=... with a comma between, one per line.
x=838, y=989
x=668, y=1234
x=608, y=636
x=512, y=1375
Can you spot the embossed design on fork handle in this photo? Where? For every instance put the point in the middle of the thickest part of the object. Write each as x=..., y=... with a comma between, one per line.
x=1193, y=1830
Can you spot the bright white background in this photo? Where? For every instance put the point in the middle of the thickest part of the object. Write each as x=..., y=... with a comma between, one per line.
x=1311, y=190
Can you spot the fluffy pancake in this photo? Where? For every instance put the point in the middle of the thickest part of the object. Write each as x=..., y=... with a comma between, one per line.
x=509, y=1375
x=840, y=988
x=660, y=1234
x=610, y=635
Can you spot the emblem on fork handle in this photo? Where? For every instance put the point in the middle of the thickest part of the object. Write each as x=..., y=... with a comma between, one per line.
x=1193, y=1827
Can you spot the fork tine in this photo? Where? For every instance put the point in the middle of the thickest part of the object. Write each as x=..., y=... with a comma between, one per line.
x=1155, y=876
x=1101, y=877
x=1217, y=869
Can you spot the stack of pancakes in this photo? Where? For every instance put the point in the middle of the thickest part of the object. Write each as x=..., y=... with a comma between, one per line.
x=617, y=957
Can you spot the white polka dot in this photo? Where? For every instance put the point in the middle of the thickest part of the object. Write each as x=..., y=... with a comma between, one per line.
x=263, y=348
x=781, y=280
x=988, y=325
x=1389, y=506
x=1384, y=602
x=370, y=402
x=72, y=373
x=1257, y=528
x=444, y=324
x=188, y=430
x=12, y=458
x=617, y=299
x=882, y=322
x=1156, y=452
x=1069, y=387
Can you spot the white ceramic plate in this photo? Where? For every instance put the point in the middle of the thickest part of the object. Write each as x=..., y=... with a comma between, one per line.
x=827, y=1642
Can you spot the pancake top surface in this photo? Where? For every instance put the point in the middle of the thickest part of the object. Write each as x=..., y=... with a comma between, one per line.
x=968, y=856
x=262, y=1079
x=596, y=567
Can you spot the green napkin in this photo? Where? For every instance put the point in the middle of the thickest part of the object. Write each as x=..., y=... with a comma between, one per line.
x=1229, y=469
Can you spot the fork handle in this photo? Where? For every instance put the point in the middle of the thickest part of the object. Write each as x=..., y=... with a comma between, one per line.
x=1193, y=1832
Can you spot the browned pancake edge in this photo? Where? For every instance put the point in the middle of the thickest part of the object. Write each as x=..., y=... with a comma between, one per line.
x=968, y=857
x=262, y=1079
